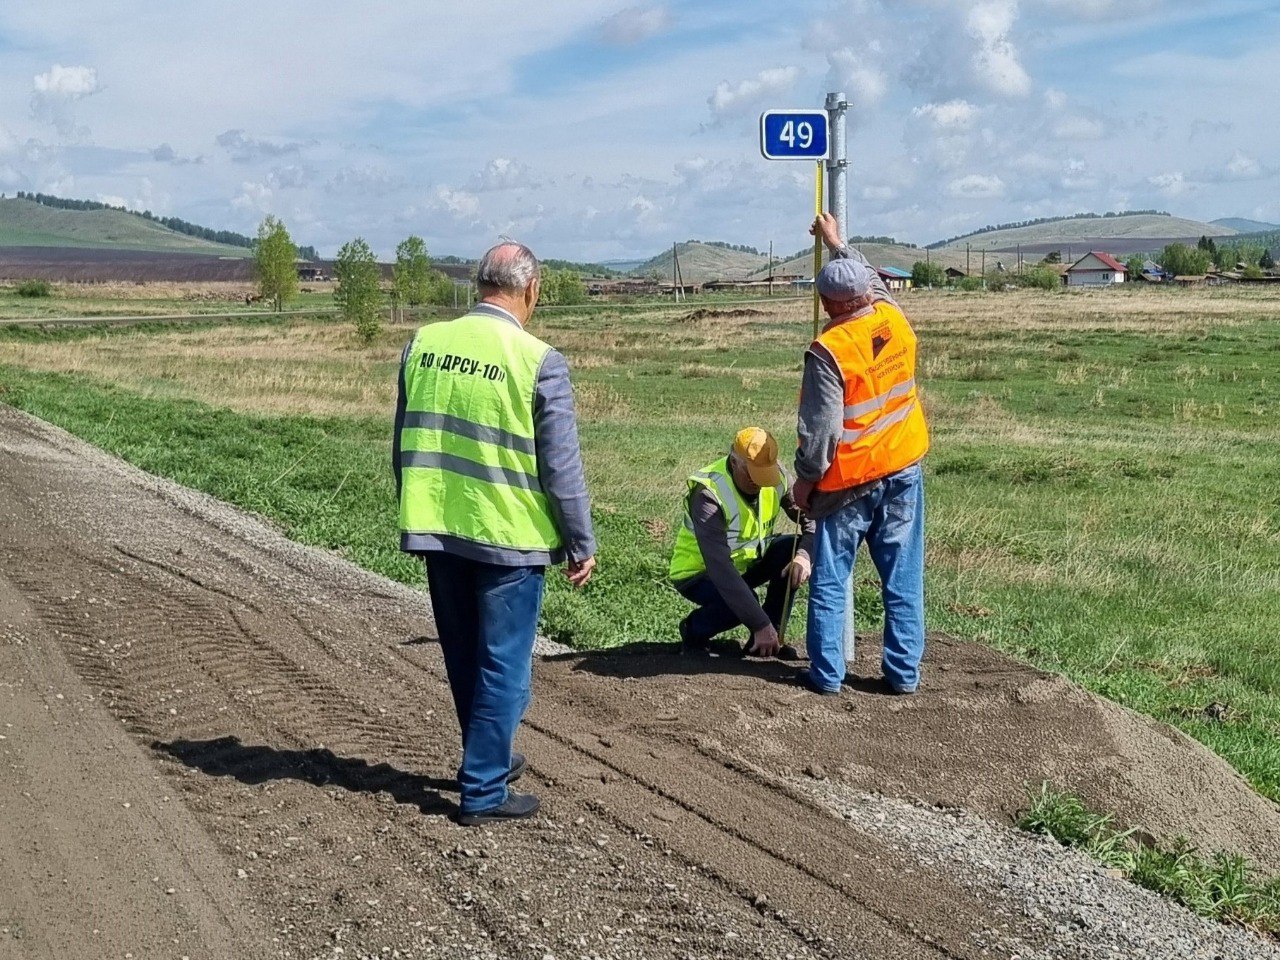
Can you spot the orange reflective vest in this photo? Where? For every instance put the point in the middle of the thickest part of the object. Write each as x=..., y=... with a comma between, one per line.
x=884, y=426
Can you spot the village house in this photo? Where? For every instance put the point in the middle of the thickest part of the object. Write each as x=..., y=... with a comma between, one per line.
x=894, y=278
x=1095, y=269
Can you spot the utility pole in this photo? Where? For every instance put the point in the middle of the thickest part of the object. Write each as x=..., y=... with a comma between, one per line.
x=1019, y=261
x=967, y=271
x=984, y=268
x=771, y=268
x=838, y=162
x=675, y=275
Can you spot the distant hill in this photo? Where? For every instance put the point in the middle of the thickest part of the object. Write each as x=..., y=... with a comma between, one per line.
x=700, y=262
x=1106, y=232
x=26, y=223
x=1244, y=225
x=880, y=255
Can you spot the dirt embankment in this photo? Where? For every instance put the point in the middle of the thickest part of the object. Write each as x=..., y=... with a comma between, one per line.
x=220, y=744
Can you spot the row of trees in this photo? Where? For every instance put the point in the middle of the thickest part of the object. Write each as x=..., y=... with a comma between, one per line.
x=1041, y=277
x=359, y=292
x=1182, y=260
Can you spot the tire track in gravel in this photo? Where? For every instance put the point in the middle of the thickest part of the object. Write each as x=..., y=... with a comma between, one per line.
x=309, y=740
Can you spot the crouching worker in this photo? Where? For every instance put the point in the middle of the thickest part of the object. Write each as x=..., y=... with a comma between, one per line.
x=726, y=549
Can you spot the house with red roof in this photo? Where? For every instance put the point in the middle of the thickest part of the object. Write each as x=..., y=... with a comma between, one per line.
x=1095, y=269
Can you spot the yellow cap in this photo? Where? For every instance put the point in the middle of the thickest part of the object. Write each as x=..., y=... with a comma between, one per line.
x=758, y=451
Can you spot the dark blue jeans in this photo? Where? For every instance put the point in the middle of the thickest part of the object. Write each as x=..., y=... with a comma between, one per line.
x=713, y=615
x=890, y=518
x=487, y=619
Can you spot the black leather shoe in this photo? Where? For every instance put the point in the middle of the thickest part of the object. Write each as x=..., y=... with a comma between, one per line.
x=518, y=806
x=518, y=766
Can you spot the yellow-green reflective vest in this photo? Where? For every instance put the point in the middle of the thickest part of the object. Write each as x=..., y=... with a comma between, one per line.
x=469, y=466
x=747, y=530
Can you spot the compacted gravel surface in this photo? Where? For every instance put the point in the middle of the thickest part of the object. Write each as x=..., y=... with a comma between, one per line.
x=215, y=743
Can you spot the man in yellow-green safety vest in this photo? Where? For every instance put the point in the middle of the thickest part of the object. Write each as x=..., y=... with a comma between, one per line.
x=491, y=488
x=726, y=549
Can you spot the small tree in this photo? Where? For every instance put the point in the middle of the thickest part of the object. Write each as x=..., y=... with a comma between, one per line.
x=1053, y=256
x=1041, y=278
x=275, y=263
x=358, y=293
x=440, y=289
x=411, y=272
x=927, y=274
x=562, y=288
x=997, y=280
x=1184, y=261
x=1266, y=261
x=1133, y=266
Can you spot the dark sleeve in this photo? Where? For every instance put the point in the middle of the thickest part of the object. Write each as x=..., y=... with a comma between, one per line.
x=402, y=399
x=820, y=422
x=807, y=529
x=878, y=288
x=712, y=534
x=555, y=432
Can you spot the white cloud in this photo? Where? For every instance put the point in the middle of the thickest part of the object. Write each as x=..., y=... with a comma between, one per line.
x=503, y=173
x=635, y=24
x=55, y=93
x=952, y=115
x=1242, y=167
x=862, y=82
x=976, y=186
x=460, y=204
x=730, y=98
x=70, y=83
x=253, y=198
x=996, y=64
x=1172, y=184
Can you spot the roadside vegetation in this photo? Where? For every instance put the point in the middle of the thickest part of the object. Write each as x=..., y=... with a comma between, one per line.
x=1220, y=886
x=1102, y=493
x=34, y=288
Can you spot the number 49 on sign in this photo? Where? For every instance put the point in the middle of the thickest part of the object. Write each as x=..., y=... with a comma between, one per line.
x=793, y=134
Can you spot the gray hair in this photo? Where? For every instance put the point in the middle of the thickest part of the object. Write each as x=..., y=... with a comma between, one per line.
x=509, y=267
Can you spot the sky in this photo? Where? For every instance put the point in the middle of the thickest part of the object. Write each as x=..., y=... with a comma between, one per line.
x=607, y=130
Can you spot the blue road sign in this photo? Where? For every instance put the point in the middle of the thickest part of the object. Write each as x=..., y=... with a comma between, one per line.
x=793, y=134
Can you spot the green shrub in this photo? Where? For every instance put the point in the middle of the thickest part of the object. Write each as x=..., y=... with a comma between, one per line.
x=35, y=288
x=1041, y=278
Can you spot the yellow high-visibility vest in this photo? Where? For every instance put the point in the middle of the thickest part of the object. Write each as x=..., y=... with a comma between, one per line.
x=469, y=465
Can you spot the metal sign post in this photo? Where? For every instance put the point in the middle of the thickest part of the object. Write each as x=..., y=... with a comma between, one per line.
x=817, y=251
x=838, y=162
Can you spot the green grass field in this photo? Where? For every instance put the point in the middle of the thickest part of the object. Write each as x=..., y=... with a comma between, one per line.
x=25, y=223
x=1102, y=493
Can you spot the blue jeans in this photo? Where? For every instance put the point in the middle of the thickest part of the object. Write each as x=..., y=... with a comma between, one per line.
x=890, y=518
x=487, y=619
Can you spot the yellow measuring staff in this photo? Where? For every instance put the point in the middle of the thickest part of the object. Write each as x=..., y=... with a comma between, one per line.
x=817, y=251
